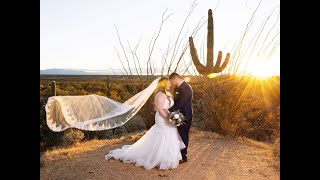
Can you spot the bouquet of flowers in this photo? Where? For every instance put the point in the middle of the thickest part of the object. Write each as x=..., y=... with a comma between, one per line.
x=176, y=118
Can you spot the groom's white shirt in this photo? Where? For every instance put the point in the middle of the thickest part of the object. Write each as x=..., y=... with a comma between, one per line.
x=179, y=86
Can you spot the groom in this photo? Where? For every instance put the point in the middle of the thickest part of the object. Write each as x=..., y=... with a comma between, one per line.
x=182, y=101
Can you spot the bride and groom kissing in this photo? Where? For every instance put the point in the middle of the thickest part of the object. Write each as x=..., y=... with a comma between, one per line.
x=163, y=145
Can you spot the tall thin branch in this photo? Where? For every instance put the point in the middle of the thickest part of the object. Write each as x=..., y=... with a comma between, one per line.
x=117, y=52
x=133, y=57
x=249, y=24
x=135, y=53
x=199, y=25
x=265, y=39
x=175, y=44
x=154, y=41
x=112, y=70
x=256, y=38
x=125, y=54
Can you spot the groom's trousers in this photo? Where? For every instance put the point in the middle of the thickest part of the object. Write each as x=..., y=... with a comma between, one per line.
x=184, y=133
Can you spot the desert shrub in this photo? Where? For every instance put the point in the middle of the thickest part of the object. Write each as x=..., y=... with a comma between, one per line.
x=225, y=102
x=139, y=86
x=114, y=95
x=99, y=134
x=100, y=93
x=71, y=136
x=238, y=107
x=81, y=92
x=117, y=88
x=60, y=92
x=217, y=100
x=125, y=96
x=255, y=120
x=45, y=89
x=198, y=107
x=42, y=88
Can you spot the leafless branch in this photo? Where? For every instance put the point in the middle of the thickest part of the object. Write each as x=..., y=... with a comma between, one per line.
x=112, y=70
x=265, y=39
x=199, y=25
x=124, y=52
x=154, y=41
x=175, y=44
x=256, y=37
x=249, y=24
x=117, y=52
x=216, y=6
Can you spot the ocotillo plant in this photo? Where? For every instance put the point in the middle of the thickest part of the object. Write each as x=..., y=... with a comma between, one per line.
x=209, y=68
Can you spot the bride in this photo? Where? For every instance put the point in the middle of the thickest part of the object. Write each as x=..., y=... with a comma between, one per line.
x=160, y=146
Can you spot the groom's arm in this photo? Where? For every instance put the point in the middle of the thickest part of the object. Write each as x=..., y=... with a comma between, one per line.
x=184, y=95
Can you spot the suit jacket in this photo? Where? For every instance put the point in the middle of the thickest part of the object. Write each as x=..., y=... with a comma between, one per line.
x=183, y=100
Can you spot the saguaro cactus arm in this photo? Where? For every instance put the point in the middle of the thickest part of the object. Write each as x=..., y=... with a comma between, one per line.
x=217, y=68
x=193, y=51
x=209, y=68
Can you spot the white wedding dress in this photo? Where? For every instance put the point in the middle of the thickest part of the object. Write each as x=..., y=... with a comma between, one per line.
x=159, y=147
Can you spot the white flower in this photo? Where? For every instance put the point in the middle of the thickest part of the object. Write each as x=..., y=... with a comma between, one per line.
x=176, y=116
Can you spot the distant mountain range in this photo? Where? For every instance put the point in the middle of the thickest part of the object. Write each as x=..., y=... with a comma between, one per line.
x=57, y=71
x=61, y=71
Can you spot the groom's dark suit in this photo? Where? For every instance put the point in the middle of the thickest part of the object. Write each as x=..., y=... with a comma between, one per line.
x=183, y=101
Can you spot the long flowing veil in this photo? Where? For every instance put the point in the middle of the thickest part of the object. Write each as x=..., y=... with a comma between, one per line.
x=93, y=112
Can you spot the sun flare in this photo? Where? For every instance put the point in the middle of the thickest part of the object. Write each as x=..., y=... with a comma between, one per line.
x=212, y=75
x=262, y=69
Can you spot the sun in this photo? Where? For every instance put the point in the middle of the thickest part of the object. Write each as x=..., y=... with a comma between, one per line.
x=262, y=69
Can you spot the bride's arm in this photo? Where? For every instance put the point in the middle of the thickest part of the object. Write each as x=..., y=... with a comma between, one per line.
x=159, y=105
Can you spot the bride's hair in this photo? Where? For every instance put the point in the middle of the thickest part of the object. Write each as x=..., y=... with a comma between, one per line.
x=161, y=86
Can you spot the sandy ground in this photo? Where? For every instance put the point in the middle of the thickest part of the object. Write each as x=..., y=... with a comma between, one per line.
x=210, y=156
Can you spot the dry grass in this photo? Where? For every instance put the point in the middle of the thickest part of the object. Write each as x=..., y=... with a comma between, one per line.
x=272, y=151
x=251, y=142
x=83, y=147
x=276, y=153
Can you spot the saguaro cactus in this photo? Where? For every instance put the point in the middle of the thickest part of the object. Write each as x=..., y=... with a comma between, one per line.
x=108, y=86
x=209, y=68
x=53, y=88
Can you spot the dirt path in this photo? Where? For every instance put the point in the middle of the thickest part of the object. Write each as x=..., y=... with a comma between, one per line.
x=210, y=156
